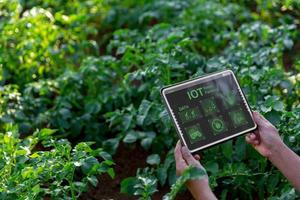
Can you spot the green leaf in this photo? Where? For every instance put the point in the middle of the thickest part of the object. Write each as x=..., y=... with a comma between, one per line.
x=130, y=137
x=162, y=175
x=153, y=159
x=21, y=152
x=127, y=121
x=36, y=189
x=111, y=145
x=273, y=117
x=143, y=111
x=88, y=164
x=105, y=155
x=111, y=172
x=93, y=180
x=288, y=43
x=279, y=106
x=45, y=133
x=227, y=149
x=189, y=173
x=212, y=167
x=240, y=148
x=127, y=185
x=146, y=143
x=265, y=109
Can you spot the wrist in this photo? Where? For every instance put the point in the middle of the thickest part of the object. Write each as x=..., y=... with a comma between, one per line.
x=200, y=188
x=198, y=183
x=276, y=152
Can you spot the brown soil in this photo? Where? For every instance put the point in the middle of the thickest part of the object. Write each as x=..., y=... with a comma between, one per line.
x=288, y=58
x=127, y=161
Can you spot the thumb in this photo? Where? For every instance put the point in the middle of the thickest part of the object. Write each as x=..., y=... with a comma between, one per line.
x=187, y=156
x=259, y=119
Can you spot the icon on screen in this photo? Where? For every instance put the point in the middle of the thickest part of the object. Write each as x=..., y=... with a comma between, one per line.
x=238, y=118
x=189, y=114
x=195, y=133
x=209, y=106
x=229, y=99
x=218, y=125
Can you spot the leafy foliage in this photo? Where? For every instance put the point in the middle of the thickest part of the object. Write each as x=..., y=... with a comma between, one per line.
x=92, y=70
x=29, y=173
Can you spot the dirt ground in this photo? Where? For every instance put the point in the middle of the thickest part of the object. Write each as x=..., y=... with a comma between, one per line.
x=127, y=161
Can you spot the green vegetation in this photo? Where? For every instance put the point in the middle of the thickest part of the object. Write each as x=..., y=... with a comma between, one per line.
x=92, y=70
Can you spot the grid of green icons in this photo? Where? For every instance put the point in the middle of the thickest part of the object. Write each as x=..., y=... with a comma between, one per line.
x=195, y=133
x=216, y=122
x=189, y=114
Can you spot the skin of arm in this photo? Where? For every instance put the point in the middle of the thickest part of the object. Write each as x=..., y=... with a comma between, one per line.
x=200, y=187
x=266, y=140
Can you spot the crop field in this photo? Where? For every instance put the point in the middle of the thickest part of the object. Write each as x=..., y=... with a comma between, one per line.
x=81, y=116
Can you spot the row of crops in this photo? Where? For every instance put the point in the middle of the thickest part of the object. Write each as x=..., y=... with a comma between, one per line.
x=80, y=81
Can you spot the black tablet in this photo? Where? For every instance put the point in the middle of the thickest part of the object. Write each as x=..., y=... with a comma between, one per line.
x=208, y=110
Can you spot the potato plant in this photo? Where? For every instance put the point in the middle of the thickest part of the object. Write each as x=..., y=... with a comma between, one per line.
x=40, y=166
x=75, y=71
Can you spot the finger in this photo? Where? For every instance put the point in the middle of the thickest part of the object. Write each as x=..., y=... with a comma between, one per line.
x=248, y=140
x=257, y=135
x=177, y=152
x=260, y=120
x=180, y=162
x=256, y=142
x=187, y=156
x=252, y=136
x=197, y=157
x=252, y=140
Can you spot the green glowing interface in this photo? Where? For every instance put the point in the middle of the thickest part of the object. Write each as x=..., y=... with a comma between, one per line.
x=209, y=109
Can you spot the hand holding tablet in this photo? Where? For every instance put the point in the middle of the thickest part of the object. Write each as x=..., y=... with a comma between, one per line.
x=208, y=110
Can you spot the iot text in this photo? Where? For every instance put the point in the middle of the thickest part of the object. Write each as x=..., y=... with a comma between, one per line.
x=193, y=94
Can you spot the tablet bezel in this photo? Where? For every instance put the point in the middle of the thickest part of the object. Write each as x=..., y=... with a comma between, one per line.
x=195, y=80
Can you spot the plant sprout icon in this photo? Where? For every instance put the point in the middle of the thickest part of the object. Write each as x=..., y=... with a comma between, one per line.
x=209, y=106
x=190, y=115
x=212, y=106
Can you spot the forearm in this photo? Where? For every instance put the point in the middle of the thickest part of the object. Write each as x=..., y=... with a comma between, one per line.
x=288, y=163
x=200, y=189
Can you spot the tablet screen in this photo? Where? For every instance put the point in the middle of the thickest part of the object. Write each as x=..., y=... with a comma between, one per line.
x=208, y=110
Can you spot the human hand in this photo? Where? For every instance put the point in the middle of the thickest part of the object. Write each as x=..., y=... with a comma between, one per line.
x=265, y=139
x=184, y=159
x=199, y=187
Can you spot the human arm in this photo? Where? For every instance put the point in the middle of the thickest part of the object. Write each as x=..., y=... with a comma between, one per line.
x=199, y=187
x=266, y=140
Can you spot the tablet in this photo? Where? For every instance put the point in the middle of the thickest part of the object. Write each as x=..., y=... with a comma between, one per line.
x=208, y=110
